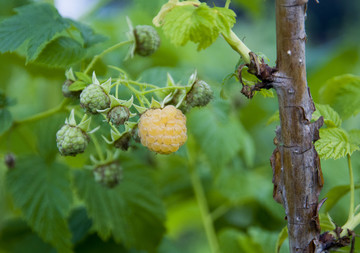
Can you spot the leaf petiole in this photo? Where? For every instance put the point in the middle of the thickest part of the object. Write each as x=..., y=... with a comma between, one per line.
x=233, y=40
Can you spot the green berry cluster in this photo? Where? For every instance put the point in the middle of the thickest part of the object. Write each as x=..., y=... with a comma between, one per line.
x=118, y=115
x=94, y=98
x=200, y=94
x=147, y=40
x=71, y=140
x=109, y=175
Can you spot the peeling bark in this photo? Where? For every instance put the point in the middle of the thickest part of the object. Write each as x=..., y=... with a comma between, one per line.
x=297, y=175
x=296, y=165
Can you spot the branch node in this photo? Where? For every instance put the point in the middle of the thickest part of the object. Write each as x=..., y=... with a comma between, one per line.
x=261, y=70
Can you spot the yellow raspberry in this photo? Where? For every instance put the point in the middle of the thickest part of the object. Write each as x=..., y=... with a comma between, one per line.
x=163, y=130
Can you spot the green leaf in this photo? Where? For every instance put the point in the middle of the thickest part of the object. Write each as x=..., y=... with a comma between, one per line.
x=88, y=35
x=255, y=241
x=331, y=117
x=342, y=93
x=77, y=85
x=335, y=194
x=132, y=212
x=61, y=52
x=79, y=224
x=201, y=25
x=16, y=237
x=42, y=192
x=268, y=238
x=326, y=222
x=334, y=143
x=83, y=77
x=219, y=136
x=36, y=24
x=254, y=7
x=273, y=118
x=281, y=238
x=228, y=239
x=233, y=179
x=266, y=93
x=6, y=120
x=355, y=136
x=225, y=19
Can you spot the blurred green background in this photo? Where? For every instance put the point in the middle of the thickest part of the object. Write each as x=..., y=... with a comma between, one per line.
x=237, y=185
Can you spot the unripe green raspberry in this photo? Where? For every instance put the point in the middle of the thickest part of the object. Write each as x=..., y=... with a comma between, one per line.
x=94, y=98
x=118, y=115
x=135, y=134
x=123, y=142
x=200, y=94
x=109, y=174
x=147, y=40
x=68, y=93
x=71, y=140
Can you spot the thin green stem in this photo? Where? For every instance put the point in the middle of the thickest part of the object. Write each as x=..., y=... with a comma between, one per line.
x=162, y=89
x=108, y=50
x=352, y=188
x=220, y=211
x=44, y=114
x=138, y=94
x=204, y=210
x=353, y=220
x=146, y=85
x=233, y=40
x=350, y=225
x=97, y=147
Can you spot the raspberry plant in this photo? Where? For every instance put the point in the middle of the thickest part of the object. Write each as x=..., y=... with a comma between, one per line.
x=110, y=180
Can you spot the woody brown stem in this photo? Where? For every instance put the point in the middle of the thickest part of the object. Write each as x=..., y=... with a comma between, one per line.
x=296, y=165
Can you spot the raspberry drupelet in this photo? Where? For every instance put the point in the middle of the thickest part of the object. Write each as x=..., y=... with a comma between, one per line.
x=163, y=130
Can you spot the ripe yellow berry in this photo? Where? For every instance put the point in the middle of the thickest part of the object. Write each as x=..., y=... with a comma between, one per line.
x=163, y=130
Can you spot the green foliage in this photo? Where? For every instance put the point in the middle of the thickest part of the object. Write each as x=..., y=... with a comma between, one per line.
x=342, y=93
x=281, y=238
x=230, y=150
x=331, y=117
x=79, y=224
x=219, y=135
x=255, y=7
x=335, y=194
x=129, y=211
x=196, y=22
x=334, y=143
x=46, y=37
x=5, y=119
x=355, y=136
x=326, y=222
x=17, y=237
x=43, y=194
x=232, y=240
x=237, y=185
x=61, y=52
x=89, y=37
x=46, y=23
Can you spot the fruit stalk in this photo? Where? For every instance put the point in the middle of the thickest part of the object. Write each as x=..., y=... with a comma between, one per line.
x=108, y=50
x=296, y=165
